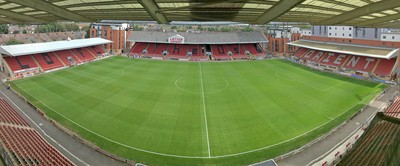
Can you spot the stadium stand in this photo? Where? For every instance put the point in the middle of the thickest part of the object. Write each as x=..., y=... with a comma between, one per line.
x=22, y=144
x=98, y=49
x=353, y=59
x=48, y=61
x=138, y=48
x=20, y=63
x=160, y=49
x=67, y=57
x=300, y=52
x=83, y=54
x=198, y=46
x=360, y=63
x=385, y=67
x=220, y=52
x=376, y=146
x=394, y=109
x=177, y=51
x=29, y=59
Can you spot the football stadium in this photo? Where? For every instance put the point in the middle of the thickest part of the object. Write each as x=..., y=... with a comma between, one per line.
x=193, y=82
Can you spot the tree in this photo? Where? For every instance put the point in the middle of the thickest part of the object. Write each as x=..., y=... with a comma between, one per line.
x=51, y=27
x=71, y=27
x=13, y=42
x=248, y=29
x=3, y=29
x=24, y=31
x=200, y=28
x=87, y=29
x=225, y=29
x=16, y=32
x=173, y=27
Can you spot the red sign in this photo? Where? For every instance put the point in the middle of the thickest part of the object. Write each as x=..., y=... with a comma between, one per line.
x=176, y=39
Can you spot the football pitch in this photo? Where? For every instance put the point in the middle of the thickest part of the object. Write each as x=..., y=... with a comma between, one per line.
x=191, y=113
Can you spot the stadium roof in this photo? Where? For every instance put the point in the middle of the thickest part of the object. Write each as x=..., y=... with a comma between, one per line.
x=200, y=38
x=352, y=49
x=34, y=48
x=373, y=13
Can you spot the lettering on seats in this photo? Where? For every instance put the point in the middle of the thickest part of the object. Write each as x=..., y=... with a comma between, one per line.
x=369, y=60
x=319, y=54
x=353, y=61
x=339, y=59
x=236, y=50
x=194, y=51
x=21, y=65
x=309, y=53
x=326, y=60
x=80, y=52
x=47, y=58
x=220, y=49
x=176, y=49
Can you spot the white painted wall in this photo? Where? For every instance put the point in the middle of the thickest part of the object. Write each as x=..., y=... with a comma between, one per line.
x=341, y=31
x=390, y=37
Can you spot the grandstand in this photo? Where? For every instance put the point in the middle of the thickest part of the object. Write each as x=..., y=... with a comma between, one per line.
x=380, y=143
x=198, y=46
x=24, y=60
x=358, y=60
x=156, y=111
x=20, y=144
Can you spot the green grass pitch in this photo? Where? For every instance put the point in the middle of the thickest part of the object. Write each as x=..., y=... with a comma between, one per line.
x=191, y=113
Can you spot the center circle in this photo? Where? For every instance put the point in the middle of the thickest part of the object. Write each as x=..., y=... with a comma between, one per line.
x=197, y=85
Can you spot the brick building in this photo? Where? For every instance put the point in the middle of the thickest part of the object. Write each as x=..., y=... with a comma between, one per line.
x=114, y=32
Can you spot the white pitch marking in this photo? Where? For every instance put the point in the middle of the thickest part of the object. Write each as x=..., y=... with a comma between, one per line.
x=204, y=110
x=195, y=157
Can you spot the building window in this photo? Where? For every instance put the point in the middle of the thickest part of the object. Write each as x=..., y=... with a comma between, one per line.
x=363, y=34
x=330, y=28
x=349, y=35
x=335, y=34
x=320, y=30
x=356, y=32
x=376, y=33
x=384, y=37
x=342, y=28
x=330, y=34
x=335, y=28
x=350, y=28
x=392, y=37
x=342, y=34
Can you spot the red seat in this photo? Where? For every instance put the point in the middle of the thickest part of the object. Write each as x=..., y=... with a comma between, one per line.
x=385, y=67
x=48, y=61
x=360, y=63
x=26, y=146
x=64, y=54
x=300, y=52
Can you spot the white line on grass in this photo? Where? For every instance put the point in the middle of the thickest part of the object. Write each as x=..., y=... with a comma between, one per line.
x=194, y=157
x=62, y=147
x=204, y=110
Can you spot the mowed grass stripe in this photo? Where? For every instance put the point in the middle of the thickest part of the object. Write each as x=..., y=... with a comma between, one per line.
x=249, y=105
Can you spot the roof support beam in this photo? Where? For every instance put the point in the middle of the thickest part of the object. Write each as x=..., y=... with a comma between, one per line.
x=277, y=10
x=21, y=17
x=9, y=21
x=362, y=11
x=53, y=9
x=380, y=20
x=151, y=7
x=199, y=5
